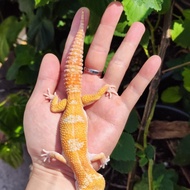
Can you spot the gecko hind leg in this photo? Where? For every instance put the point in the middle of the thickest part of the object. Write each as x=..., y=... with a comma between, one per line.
x=99, y=157
x=48, y=155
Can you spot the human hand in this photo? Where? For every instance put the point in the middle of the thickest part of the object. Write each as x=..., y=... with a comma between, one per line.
x=106, y=117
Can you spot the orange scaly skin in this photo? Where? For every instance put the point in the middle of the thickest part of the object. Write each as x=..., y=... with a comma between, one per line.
x=73, y=122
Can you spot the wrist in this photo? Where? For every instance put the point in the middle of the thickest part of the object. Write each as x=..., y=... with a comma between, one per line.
x=43, y=178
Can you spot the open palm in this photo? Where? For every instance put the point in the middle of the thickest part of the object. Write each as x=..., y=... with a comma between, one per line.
x=106, y=117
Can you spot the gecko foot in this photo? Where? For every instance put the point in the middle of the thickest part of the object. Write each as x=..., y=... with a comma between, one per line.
x=46, y=155
x=104, y=162
x=49, y=155
x=49, y=95
x=111, y=90
x=99, y=157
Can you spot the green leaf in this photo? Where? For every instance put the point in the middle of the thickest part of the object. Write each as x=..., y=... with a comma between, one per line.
x=143, y=161
x=150, y=152
x=165, y=6
x=182, y=157
x=39, y=3
x=154, y=4
x=162, y=183
x=8, y=36
x=132, y=122
x=22, y=76
x=26, y=6
x=177, y=29
x=163, y=179
x=186, y=79
x=121, y=28
x=141, y=185
x=88, y=39
x=145, y=39
x=11, y=119
x=11, y=114
x=122, y=166
x=20, y=60
x=140, y=154
x=11, y=152
x=180, y=33
x=10, y=23
x=125, y=148
x=4, y=48
x=186, y=14
x=136, y=10
x=41, y=32
x=171, y=94
x=145, y=42
x=24, y=66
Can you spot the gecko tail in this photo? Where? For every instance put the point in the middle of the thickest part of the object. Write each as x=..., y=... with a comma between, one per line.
x=92, y=182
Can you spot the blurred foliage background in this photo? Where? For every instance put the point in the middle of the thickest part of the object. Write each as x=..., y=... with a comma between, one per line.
x=153, y=152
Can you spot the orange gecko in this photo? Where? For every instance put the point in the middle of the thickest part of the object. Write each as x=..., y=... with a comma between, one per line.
x=74, y=124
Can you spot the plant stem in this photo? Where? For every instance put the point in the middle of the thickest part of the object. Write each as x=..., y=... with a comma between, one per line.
x=150, y=175
x=176, y=67
x=139, y=146
x=179, y=7
x=152, y=37
x=152, y=96
x=147, y=125
x=146, y=52
x=157, y=22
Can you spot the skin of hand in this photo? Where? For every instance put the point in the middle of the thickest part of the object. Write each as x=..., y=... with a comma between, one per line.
x=106, y=117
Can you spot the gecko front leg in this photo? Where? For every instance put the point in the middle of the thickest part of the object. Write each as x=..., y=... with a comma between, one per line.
x=57, y=105
x=107, y=89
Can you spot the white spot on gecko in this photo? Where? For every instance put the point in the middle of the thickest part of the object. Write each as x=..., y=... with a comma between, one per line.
x=73, y=102
x=75, y=144
x=73, y=119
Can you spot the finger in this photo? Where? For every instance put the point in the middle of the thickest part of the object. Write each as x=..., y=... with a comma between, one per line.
x=48, y=76
x=74, y=29
x=120, y=62
x=99, y=48
x=140, y=82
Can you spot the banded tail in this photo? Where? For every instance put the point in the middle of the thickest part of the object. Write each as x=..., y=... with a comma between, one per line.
x=74, y=62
